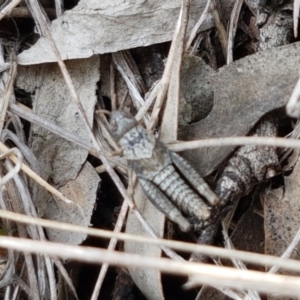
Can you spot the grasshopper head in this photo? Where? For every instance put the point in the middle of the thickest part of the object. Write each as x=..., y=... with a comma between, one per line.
x=120, y=123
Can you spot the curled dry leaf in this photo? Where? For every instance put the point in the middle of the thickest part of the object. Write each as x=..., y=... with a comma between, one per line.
x=98, y=27
x=263, y=80
x=59, y=160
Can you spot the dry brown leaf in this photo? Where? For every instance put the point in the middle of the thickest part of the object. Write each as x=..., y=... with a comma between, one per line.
x=263, y=80
x=108, y=26
x=82, y=191
x=59, y=160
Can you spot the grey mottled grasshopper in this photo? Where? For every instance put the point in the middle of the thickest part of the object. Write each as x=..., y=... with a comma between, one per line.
x=169, y=182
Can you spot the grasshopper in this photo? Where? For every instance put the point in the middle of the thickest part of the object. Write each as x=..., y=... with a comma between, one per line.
x=167, y=179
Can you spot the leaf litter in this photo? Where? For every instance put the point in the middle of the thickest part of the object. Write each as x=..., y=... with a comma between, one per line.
x=234, y=98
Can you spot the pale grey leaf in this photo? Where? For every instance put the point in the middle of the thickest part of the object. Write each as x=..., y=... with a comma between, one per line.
x=264, y=80
x=108, y=26
x=149, y=281
x=59, y=160
x=82, y=191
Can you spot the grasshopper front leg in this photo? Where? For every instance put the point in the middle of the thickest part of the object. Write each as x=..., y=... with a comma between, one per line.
x=162, y=203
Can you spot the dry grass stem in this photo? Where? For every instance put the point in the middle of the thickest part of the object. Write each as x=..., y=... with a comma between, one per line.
x=12, y=195
x=6, y=10
x=296, y=17
x=254, y=258
x=166, y=77
x=132, y=77
x=112, y=78
x=23, y=12
x=25, y=113
x=235, y=141
x=234, y=18
x=169, y=125
x=111, y=247
x=222, y=34
x=149, y=99
x=197, y=26
x=37, y=178
x=17, y=167
x=201, y=274
x=59, y=7
x=293, y=105
x=7, y=93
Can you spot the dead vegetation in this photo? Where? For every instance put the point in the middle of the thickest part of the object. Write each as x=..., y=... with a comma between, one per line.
x=217, y=81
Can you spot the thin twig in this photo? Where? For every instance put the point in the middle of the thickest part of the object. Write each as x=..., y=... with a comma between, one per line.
x=129, y=71
x=203, y=273
x=37, y=178
x=111, y=247
x=17, y=167
x=232, y=28
x=296, y=16
x=169, y=125
x=24, y=12
x=235, y=141
x=8, y=8
x=7, y=93
x=197, y=26
x=23, y=112
x=255, y=258
x=150, y=97
x=293, y=105
x=165, y=80
x=216, y=12
x=59, y=7
x=112, y=85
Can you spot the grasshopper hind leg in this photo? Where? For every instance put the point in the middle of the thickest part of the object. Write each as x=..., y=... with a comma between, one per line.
x=194, y=179
x=163, y=204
